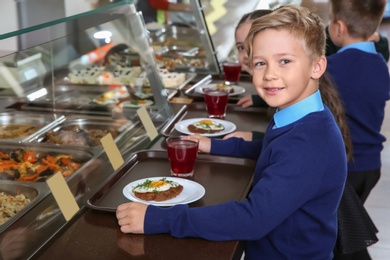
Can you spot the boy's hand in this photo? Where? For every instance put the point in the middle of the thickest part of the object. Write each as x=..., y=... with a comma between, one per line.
x=131, y=217
x=374, y=38
x=204, y=143
x=245, y=101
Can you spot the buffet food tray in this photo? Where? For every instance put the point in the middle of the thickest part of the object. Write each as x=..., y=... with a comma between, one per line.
x=84, y=131
x=231, y=176
x=17, y=126
x=36, y=162
x=246, y=119
x=74, y=98
x=35, y=192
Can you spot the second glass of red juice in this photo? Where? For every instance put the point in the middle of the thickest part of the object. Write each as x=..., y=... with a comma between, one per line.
x=216, y=103
x=182, y=154
x=232, y=72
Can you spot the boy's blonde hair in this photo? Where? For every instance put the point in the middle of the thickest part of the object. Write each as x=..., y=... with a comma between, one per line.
x=362, y=17
x=305, y=25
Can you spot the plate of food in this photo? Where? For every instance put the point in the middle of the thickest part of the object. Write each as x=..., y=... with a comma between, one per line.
x=205, y=126
x=144, y=94
x=232, y=89
x=105, y=101
x=137, y=103
x=164, y=191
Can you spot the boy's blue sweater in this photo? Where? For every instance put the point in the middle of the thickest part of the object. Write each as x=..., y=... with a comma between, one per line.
x=291, y=212
x=362, y=79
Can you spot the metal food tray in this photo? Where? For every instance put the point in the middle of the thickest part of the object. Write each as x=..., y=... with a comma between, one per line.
x=173, y=51
x=71, y=98
x=118, y=128
x=33, y=191
x=246, y=119
x=78, y=154
x=224, y=178
x=89, y=90
x=43, y=121
x=189, y=77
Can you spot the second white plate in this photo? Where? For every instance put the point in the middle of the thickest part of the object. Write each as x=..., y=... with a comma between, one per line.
x=237, y=89
x=137, y=103
x=182, y=126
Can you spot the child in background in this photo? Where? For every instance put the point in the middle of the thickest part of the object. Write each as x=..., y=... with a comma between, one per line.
x=291, y=211
x=241, y=32
x=381, y=44
x=362, y=78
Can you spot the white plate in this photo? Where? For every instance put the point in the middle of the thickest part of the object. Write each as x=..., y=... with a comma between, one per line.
x=237, y=89
x=192, y=191
x=129, y=104
x=182, y=126
x=105, y=102
x=143, y=95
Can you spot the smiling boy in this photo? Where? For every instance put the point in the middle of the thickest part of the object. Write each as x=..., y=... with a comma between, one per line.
x=291, y=211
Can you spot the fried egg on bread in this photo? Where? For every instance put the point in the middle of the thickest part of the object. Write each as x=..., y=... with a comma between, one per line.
x=205, y=126
x=158, y=190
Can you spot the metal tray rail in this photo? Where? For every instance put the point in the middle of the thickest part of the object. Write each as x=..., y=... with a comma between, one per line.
x=33, y=191
x=44, y=121
x=169, y=127
x=233, y=175
x=206, y=80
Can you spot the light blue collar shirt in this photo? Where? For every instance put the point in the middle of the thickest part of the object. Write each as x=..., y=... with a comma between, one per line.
x=288, y=115
x=363, y=46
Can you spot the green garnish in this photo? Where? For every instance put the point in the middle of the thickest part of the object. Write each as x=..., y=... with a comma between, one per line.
x=208, y=128
x=146, y=184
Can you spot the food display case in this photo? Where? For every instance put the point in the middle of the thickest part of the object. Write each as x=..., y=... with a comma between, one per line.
x=184, y=43
x=67, y=81
x=60, y=93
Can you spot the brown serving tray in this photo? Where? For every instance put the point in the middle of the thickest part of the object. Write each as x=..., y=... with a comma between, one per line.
x=224, y=178
x=246, y=119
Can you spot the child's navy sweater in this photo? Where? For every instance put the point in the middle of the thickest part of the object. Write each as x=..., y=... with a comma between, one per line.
x=362, y=80
x=291, y=212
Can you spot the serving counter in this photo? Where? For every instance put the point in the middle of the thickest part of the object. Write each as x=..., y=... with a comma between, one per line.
x=44, y=87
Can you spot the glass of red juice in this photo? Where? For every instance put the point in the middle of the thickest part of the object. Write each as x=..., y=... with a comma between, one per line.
x=232, y=72
x=182, y=154
x=216, y=103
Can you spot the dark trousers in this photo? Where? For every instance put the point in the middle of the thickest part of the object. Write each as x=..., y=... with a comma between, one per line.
x=362, y=183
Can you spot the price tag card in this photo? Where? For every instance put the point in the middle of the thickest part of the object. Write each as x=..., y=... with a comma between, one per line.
x=63, y=196
x=112, y=151
x=147, y=122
